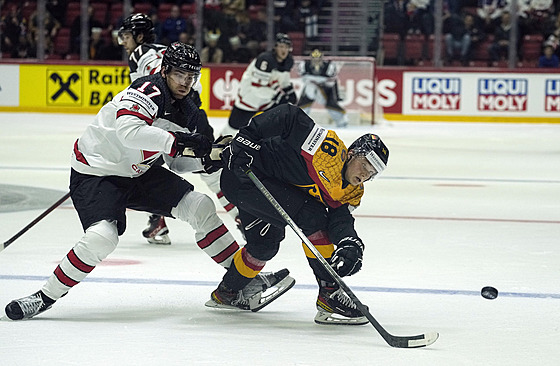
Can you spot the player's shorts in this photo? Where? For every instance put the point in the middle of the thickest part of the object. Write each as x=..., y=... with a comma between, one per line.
x=106, y=198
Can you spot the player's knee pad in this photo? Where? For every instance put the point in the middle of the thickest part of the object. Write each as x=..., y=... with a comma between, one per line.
x=263, y=239
x=98, y=242
x=198, y=210
x=312, y=217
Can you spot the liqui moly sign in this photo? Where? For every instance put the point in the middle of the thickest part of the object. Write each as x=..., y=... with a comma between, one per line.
x=436, y=93
x=502, y=94
x=552, y=95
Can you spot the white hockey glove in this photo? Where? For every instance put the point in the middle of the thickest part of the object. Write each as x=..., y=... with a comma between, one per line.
x=347, y=258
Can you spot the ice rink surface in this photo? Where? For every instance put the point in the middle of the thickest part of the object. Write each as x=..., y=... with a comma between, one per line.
x=460, y=206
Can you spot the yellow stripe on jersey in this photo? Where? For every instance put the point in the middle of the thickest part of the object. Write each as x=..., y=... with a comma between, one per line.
x=325, y=250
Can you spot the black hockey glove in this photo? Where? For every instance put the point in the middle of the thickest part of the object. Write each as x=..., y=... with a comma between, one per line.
x=347, y=258
x=198, y=143
x=290, y=94
x=240, y=153
x=211, y=166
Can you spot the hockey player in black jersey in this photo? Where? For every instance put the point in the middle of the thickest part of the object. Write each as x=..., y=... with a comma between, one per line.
x=137, y=37
x=114, y=169
x=318, y=181
x=264, y=84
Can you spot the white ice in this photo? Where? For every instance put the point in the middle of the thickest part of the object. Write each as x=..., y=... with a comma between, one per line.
x=461, y=206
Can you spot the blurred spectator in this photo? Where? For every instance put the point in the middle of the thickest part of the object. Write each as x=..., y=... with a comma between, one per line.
x=237, y=53
x=158, y=31
x=57, y=8
x=76, y=28
x=396, y=21
x=211, y=53
x=96, y=42
x=212, y=14
x=13, y=27
x=540, y=14
x=187, y=38
x=462, y=36
x=283, y=16
x=490, y=11
x=232, y=7
x=52, y=27
x=256, y=33
x=548, y=59
x=111, y=51
x=174, y=25
x=307, y=19
x=499, y=48
x=421, y=17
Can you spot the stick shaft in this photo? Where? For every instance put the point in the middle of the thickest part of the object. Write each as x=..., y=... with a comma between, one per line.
x=32, y=223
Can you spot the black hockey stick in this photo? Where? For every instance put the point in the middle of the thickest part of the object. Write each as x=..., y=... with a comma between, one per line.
x=32, y=223
x=421, y=340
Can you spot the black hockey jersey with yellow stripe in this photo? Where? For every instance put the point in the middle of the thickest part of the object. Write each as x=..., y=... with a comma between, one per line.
x=297, y=151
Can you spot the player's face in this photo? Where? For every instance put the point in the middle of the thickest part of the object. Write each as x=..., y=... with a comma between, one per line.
x=359, y=170
x=127, y=41
x=180, y=82
x=282, y=51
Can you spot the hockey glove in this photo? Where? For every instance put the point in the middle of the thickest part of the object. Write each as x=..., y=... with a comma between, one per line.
x=347, y=258
x=198, y=143
x=210, y=165
x=290, y=94
x=240, y=153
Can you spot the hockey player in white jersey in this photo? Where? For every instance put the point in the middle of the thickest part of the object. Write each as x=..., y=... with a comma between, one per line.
x=320, y=84
x=264, y=84
x=114, y=168
x=137, y=37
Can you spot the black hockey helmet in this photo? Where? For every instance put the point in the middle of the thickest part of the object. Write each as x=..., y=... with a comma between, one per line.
x=283, y=38
x=137, y=24
x=181, y=56
x=373, y=149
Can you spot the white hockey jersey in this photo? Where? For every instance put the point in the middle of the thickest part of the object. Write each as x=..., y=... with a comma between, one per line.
x=130, y=133
x=261, y=82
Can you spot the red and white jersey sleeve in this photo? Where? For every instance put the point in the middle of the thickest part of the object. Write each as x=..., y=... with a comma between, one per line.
x=121, y=140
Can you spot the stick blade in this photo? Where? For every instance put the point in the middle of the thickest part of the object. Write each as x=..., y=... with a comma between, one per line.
x=423, y=340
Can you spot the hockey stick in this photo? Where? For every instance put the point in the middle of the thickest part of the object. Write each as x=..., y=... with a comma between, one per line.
x=421, y=340
x=32, y=223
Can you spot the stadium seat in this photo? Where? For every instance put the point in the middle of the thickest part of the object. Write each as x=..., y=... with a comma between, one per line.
x=298, y=42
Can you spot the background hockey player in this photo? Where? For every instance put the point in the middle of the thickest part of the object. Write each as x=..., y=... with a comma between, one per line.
x=320, y=84
x=318, y=181
x=113, y=168
x=137, y=37
x=264, y=84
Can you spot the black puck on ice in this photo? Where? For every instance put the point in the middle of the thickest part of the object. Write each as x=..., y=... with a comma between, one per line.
x=489, y=292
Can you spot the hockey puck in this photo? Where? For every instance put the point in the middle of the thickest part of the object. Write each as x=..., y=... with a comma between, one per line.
x=489, y=292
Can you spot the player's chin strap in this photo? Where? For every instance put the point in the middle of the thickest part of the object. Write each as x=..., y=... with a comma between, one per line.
x=421, y=340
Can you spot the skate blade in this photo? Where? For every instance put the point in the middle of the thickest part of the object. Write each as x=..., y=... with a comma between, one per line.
x=262, y=299
x=212, y=304
x=160, y=240
x=325, y=318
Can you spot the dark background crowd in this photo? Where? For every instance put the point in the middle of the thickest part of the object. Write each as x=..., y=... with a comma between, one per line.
x=475, y=32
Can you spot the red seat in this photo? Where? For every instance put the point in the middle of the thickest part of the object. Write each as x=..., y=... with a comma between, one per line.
x=99, y=12
x=413, y=47
x=390, y=43
x=298, y=42
x=72, y=11
x=187, y=10
x=144, y=8
x=164, y=10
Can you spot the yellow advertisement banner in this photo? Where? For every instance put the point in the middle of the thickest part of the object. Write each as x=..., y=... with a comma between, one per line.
x=78, y=89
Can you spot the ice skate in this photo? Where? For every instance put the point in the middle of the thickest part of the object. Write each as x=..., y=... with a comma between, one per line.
x=156, y=232
x=261, y=291
x=28, y=307
x=224, y=298
x=335, y=307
